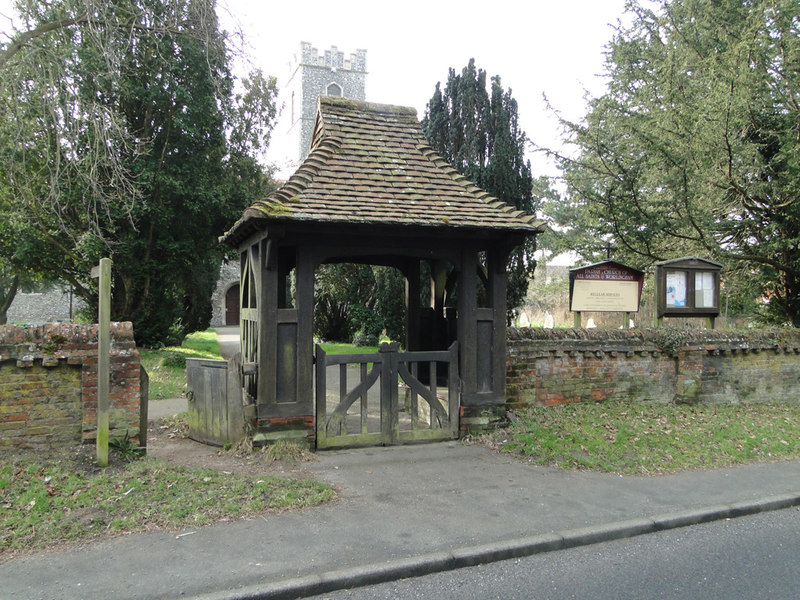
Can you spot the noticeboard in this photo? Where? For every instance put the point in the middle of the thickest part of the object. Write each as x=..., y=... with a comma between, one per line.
x=687, y=287
x=606, y=286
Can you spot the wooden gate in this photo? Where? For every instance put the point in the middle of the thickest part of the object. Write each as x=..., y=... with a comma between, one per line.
x=397, y=397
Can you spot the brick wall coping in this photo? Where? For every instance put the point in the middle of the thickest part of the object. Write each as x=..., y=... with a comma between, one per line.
x=52, y=342
x=665, y=339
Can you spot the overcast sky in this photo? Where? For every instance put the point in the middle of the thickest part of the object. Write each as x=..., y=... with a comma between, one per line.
x=552, y=47
x=548, y=47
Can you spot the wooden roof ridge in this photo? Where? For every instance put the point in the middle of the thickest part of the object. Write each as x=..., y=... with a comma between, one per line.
x=370, y=164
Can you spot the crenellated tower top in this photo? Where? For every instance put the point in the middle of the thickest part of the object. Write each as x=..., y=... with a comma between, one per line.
x=314, y=74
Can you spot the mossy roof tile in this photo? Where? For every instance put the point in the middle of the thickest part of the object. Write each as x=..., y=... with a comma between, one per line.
x=370, y=163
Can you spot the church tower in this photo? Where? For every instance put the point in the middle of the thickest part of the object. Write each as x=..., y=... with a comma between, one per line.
x=312, y=75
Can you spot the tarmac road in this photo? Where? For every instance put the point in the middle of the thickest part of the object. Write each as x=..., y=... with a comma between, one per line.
x=753, y=557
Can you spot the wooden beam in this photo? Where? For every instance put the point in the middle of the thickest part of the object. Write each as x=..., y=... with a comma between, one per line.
x=304, y=302
x=467, y=323
x=103, y=360
x=267, y=303
x=412, y=274
x=497, y=291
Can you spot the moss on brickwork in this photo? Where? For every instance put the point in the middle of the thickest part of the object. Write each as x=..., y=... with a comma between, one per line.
x=553, y=366
x=665, y=336
x=48, y=384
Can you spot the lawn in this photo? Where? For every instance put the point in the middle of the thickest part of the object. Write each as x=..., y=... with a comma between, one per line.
x=343, y=348
x=166, y=367
x=45, y=503
x=643, y=438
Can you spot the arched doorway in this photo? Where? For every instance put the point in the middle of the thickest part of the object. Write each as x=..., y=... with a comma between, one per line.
x=232, y=306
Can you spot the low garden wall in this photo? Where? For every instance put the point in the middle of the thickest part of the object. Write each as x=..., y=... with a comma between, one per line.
x=48, y=384
x=553, y=366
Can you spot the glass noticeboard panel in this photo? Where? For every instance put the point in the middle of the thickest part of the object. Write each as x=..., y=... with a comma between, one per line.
x=704, y=290
x=676, y=289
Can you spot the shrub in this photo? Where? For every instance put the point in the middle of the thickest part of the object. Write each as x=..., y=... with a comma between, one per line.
x=362, y=338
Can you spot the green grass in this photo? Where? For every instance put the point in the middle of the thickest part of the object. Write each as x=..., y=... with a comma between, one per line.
x=641, y=438
x=342, y=348
x=44, y=504
x=166, y=367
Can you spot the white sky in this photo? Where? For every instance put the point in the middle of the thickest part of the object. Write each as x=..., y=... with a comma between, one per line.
x=552, y=47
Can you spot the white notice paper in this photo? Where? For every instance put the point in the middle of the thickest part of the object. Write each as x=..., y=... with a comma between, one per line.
x=704, y=290
x=676, y=288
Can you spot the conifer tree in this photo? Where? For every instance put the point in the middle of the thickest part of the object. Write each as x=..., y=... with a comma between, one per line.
x=476, y=129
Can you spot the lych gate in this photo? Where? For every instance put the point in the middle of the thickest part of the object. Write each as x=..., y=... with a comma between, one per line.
x=372, y=191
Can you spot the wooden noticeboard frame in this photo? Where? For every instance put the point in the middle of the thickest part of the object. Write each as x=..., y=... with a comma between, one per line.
x=687, y=287
x=607, y=286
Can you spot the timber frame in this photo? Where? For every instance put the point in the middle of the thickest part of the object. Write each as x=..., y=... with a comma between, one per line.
x=371, y=191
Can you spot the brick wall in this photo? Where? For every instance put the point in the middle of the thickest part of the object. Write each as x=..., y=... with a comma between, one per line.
x=552, y=366
x=48, y=384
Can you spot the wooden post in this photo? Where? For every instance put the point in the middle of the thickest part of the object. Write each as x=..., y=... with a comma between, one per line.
x=103, y=271
x=144, y=399
x=468, y=325
x=626, y=320
x=576, y=319
x=412, y=275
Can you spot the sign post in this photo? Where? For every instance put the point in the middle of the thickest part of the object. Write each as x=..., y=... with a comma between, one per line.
x=103, y=271
x=606, y=286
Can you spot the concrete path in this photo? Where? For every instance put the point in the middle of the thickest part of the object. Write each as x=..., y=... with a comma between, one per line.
x=157, y=409
x=228, y=338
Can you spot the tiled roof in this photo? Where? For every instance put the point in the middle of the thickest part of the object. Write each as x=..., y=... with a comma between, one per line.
x=371, y=164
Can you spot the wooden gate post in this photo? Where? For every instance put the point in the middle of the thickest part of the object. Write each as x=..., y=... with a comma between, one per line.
x=103, y=271
x=389, y=395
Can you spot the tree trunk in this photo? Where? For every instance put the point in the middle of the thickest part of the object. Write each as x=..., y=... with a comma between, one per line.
x=7, y=298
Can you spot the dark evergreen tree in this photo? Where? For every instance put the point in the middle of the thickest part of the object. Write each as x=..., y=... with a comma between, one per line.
x=121, y=136
x=476, y=129
x=694, y=148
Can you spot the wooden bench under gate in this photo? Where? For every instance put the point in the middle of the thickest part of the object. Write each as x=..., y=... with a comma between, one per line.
x=214, y=398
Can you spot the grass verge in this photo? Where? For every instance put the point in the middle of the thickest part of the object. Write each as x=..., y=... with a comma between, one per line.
x=166, y=367
x=643, y=439
x=46, y=504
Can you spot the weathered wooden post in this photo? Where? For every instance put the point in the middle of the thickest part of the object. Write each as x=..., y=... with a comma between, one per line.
x=103, y=271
